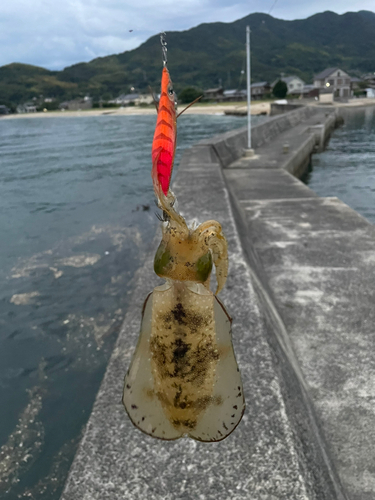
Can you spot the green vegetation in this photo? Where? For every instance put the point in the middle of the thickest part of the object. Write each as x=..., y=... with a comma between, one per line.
x=189, y=94
x=208, y=54
x=280, y=89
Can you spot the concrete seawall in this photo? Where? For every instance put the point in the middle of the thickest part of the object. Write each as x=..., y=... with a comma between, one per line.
x=294, y=441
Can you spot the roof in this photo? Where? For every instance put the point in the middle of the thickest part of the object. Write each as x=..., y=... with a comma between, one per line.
x=288, y=79
x=325, y=73
x=218, y=89
x=127, y=96
x=232, y=92
x=260, y=84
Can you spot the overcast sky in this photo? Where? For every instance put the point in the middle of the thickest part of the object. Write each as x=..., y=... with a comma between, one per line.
x=54, y=34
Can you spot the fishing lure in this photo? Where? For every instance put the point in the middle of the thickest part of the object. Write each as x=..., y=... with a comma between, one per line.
x=183, y=379
x=165, y=136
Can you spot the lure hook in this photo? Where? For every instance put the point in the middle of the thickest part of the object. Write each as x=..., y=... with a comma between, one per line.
x=164, y=47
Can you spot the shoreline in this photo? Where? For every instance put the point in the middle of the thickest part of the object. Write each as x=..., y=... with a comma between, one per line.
x=215, y=109
x=199, y=109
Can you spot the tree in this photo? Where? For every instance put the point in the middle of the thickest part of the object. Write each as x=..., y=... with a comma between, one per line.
x=280, y=89
x=107, y=96
x=188, y=94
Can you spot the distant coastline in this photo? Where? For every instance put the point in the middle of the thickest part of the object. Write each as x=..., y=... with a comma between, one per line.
x=257, y=108
x=198, y=109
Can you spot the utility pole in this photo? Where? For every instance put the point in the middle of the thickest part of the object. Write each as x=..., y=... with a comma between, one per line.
x=248, y=151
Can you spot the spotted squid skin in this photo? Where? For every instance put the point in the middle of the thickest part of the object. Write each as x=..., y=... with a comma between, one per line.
x=190, y=384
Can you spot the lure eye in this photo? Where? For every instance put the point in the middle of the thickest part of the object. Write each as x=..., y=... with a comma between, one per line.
x=170, y=91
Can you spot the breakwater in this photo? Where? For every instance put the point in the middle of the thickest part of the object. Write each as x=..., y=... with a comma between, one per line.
x=293, y=256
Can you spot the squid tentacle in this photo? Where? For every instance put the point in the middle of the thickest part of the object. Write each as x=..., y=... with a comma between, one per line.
x=210, y=233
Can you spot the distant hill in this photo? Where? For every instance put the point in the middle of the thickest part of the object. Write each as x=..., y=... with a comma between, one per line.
x=208, y=54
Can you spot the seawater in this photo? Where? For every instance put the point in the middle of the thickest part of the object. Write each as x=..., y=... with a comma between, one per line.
x=346, y=168
x=76, y=219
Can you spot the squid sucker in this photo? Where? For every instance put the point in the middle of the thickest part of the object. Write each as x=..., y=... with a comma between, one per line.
x=183, y=379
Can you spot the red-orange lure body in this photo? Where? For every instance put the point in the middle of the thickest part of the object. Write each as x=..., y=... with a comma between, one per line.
x=165, y=136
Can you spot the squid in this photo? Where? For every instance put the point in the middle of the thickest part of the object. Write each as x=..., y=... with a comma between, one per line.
x=183, y=378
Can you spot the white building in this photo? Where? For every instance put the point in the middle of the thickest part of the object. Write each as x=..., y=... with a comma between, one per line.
x=137, y=99
x=26, y=108
x=144, y=99
x=335, y=79
x=294, y=83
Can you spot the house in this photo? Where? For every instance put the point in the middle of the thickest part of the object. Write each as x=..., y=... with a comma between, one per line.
x=259, y=90
x=77, y=104
x=354, y=83
x=4, y=110
x=213, y=94
x=294, y=83
x=310, y=91
x=335, y=79
x=26, y=108
x=125, y=99
x=234, y=95
x=369, y=79
x=370, y=93
x=144, y=99
x=133, y=99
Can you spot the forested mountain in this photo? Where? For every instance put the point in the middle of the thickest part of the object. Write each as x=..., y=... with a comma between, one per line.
x=209, y=54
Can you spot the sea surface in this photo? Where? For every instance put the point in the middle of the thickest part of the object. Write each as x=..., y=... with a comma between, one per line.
x=346, y=168
x=76, y=219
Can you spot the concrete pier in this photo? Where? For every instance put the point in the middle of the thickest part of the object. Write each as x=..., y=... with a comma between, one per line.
x=300, y=291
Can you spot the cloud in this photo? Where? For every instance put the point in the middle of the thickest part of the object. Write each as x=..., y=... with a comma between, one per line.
x=57, y=34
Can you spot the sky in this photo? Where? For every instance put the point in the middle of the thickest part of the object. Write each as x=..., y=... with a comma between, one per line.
x=58, y=33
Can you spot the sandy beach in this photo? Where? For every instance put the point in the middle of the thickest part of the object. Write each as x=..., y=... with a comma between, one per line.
x=257, y=108
x=198, y=109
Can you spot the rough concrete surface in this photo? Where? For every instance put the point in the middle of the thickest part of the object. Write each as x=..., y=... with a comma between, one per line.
x=229, y=146
x=257, y=461
x=319, y=259
x=316, y=257
x=278, y=451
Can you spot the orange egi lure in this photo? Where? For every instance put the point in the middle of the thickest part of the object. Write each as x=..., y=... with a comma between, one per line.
x=164, y=143
x=165, y=136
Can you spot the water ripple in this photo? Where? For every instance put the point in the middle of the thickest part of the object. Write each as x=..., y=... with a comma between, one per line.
x=71, y=189
x=346, y=169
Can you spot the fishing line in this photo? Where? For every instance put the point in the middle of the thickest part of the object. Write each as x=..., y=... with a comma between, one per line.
x=273, y=5
x=163, y=47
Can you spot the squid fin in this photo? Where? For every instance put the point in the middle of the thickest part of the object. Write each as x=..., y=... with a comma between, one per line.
x=228, y=403
x=139, y=398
